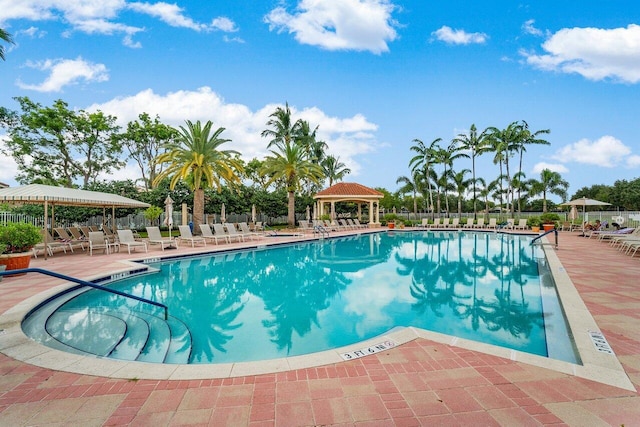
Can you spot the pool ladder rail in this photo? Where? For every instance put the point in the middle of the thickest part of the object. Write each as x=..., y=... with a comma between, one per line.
x=319, y=229
x=544, y=234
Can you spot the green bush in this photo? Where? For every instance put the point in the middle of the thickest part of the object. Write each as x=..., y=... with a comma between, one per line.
x=549, y=217
x=533, y=221
x=19, y=237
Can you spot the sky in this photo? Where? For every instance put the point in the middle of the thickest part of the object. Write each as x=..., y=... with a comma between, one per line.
x=373, y=75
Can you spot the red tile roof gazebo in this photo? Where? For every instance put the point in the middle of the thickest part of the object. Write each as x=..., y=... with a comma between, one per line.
x=350, y=192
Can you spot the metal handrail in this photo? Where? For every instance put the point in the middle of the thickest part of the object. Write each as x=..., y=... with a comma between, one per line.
x=85, y=283
x=544, y=234
x=320, y=229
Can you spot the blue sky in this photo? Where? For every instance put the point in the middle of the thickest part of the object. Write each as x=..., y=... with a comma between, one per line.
x=372, y=74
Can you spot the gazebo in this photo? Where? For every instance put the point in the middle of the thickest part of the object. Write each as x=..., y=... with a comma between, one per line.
x=349, y=192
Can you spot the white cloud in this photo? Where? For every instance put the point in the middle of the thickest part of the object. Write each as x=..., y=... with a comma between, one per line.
x=553, y=167
x=225, y=24
x=171, y=14
x=8, y=167
x=347, y=137
x=361, y=25
x=451, y=36
x=529, y=28
x=606, y=151
x=64, y=72
x=632, y=161
x=594, y=53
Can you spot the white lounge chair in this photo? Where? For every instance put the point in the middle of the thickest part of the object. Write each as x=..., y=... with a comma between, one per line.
x=445, y=223
x=246, y=231
x=356, y=221
x=522, y=224
x=97, y=241
x=207, y=234
x=125, y=237
x=436, y=223
x=480, y=223
x=155, y=238
x=469, y=223
x=455, y=223
x=232, y=231
x=493, y=223
x=185, y=234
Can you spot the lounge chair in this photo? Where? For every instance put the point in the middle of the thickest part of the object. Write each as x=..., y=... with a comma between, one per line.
x=493, y=223
x=97, y=241
x=76, y=233
x=207, y=234
x=480, y=223
x=125, y=237
x=185, y=234
x=522, y=224
x=455, y=223
x=62, y=233
x=220, y=231
x=445, y=223
x=246, y=231
x=305, y=227
x=469, y=223
x=345, y=225
x=53, y=243
x=155, y=238
x=258, y=226
x=436, y=223
x=50, y=246
x=232, y=231
x=356, y=221
x=86, y=230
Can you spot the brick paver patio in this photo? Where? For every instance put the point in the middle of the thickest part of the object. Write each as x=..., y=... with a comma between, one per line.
x=418, y=383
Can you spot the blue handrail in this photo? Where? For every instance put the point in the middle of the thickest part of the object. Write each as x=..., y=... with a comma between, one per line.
x=321, y=230
x=545, y=233
x=85, y=283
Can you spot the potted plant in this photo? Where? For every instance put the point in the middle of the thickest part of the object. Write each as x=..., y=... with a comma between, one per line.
x=549, y=220
x=391, y=219
x=534, y=223
x=18, y=238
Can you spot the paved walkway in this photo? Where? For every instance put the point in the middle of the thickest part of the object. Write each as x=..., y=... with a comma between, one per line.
x=418, y=383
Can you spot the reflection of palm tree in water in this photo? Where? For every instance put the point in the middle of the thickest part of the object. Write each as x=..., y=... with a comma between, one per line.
x=304, y=288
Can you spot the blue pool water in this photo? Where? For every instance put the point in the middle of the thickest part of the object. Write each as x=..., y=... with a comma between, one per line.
x=302, y=298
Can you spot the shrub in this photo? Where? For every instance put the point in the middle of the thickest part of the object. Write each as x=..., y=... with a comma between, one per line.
x=19, y=237
x=533, y=221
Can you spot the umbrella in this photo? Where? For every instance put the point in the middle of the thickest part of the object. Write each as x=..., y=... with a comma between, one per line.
x=223, y=214
x=584, y=202
x=574, y=213
x=253, y=214
x=168, y=208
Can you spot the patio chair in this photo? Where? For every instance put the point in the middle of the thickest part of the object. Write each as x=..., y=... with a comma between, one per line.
x=185, y=234
x=155, y=238
x=49, y=247
x=125, y=237
x=258, y=226
x=86, y=230
x=455, y=223
x=207, y=234
x=445, y=223
x=232, y=232
x=62, y=233
x=480, y=223
x=76, y=233
x=356, y=221
x=469, y=223
x=344, y=224
x=493, y=223
x=97, y=241
x=436, y=223
x=522, y=224
x=246, y=231
x=46, y=236
x=352, y=223
x=304, y=227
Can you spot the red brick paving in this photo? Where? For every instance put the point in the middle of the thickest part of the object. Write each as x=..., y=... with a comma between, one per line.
x=419, y=383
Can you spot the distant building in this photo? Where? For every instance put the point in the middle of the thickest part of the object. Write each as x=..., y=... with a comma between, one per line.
x=3, y=185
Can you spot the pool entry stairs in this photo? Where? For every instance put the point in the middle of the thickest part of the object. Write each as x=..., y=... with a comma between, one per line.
x=137, y=332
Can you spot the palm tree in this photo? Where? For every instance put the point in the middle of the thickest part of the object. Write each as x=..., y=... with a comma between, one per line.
x=290, y=164
x=284, y=132
x=461, y=184
x=446, y=156
x=423, y=159
x=410, y=185
x=506, y=141
x=528, y=138
x=334, y=169
x=4, y=36
x=195, y=157
x=477, y=144
x=550, y=182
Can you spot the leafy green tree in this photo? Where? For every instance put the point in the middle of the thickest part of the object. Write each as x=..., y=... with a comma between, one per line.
x=6, y=37
x=410, y=185
x=504, y=143
x=144, y=139
x=527, y=137
x=290, y=164
x=196, y=157
x=334, y=169
x=446, y=157
x=423, y=160
x=550, y=182
x=56, y=145
x=477, y=144
x=152, y=213
x=461, y=183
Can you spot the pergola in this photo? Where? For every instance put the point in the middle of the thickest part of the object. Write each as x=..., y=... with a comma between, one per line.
x=51, y=196
x=349, y=192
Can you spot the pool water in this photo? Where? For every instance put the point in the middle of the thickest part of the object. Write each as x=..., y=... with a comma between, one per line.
x=302, y=298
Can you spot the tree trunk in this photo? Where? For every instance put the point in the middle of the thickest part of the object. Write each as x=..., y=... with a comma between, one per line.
x=292, y=209
x=198, y=209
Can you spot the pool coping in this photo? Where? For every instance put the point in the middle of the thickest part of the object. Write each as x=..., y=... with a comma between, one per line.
x=597, y=365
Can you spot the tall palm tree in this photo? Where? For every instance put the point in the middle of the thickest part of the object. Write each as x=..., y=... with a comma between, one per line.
x=528, y=138
x=461, y=184
x=446, y=156
x=477, y=144
x=423, y=159
x=195, y=157
x=507, y=141
x=334, y=169
x=6, y=37
x=411, y=185
x=284, y=131
x=290, y=164
x=550, y=182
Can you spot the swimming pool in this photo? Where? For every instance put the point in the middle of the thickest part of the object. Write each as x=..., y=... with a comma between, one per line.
x=302, y=298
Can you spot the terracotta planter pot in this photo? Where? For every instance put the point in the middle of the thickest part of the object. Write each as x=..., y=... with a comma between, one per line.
x=15, y=261
x=391, y=225
x=535, y=229
x=548, y=227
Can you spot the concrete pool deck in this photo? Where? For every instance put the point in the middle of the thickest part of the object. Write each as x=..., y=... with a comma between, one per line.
x=427, y=380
